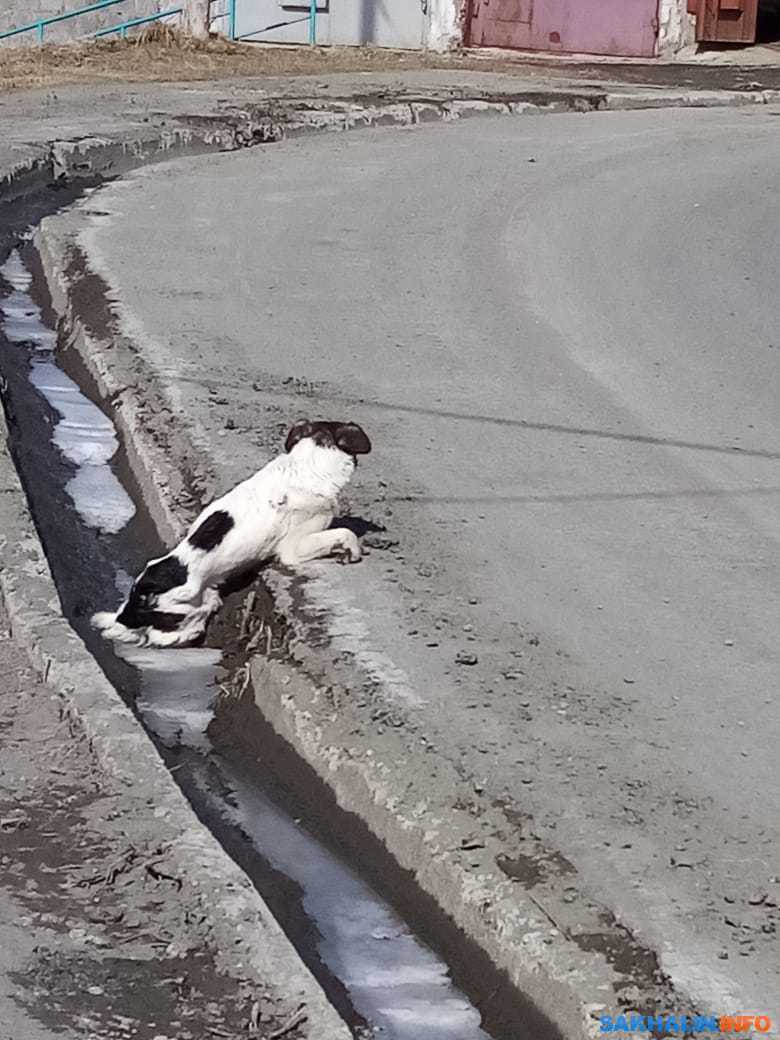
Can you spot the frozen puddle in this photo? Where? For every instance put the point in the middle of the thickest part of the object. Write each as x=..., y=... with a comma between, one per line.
x=83, y=434
x=399, y=985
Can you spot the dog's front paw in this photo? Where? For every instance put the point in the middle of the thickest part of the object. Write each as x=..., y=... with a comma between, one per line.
x=349, y=551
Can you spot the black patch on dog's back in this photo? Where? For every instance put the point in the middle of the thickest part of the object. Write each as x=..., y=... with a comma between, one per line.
x=140, y=609
x=210, y=533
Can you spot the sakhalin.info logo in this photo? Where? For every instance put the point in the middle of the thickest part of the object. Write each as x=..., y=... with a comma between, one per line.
x=685, y=1025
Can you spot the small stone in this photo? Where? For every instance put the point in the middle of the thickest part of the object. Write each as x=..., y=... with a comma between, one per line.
x=468, y=844
x=380, y=541
x=464, y=657
x=728, y=642
x=757, y=898
x=723, y=955
x=628, y=680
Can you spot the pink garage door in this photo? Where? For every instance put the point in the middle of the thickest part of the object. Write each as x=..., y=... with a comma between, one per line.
x=625, y=27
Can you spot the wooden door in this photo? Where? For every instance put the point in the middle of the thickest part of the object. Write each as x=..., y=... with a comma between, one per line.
x=725, y=21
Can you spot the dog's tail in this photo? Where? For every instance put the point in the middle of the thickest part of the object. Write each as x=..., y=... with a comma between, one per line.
x=110, y=628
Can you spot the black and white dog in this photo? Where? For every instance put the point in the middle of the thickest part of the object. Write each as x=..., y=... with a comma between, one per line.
x=283, y=512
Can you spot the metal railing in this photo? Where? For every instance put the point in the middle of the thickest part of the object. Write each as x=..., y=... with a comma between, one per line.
x=132, y=22
x=40, y=25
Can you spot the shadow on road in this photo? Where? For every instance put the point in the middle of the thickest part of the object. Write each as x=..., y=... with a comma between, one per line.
x=527, y=424
x=595, y=496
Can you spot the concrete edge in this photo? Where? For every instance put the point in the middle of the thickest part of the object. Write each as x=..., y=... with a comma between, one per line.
x=291, y=117
x=248, y=942
x=51, y=160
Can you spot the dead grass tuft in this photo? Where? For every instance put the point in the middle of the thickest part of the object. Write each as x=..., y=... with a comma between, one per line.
x=161, y=53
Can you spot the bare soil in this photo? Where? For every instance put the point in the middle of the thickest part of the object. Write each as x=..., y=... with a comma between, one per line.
x=177, y=59
x=163, y=55
x=98, y=936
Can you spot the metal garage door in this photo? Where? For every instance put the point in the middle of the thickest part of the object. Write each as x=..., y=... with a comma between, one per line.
x=627, y=27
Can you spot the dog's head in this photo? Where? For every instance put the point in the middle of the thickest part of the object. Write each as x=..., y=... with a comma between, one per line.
x=347, y=437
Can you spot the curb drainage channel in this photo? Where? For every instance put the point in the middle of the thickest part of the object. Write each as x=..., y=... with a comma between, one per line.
x=380, y=977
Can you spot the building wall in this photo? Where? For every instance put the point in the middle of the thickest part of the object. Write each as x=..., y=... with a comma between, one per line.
x=14, y=13
x=436, y=24
x=444, y=24
x=399, y=23
x=675, y=27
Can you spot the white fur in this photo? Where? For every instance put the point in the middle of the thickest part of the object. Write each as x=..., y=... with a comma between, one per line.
x=283, y=512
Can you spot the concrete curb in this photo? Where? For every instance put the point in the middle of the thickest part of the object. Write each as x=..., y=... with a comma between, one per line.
x=248, y=942
x=291, y=117
x=276, y=119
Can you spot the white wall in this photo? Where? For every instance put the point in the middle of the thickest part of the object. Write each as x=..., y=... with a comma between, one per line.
x=444, y=24
x=381, y=23
x=675, y=27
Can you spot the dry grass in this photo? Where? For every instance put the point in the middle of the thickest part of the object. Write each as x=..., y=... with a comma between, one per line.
x=163, y=55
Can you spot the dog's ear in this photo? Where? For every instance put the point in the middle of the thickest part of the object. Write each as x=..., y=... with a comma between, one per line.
x=300, y=430
x=352, y=439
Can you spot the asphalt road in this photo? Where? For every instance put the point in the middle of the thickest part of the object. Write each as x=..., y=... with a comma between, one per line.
x=563, y=335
